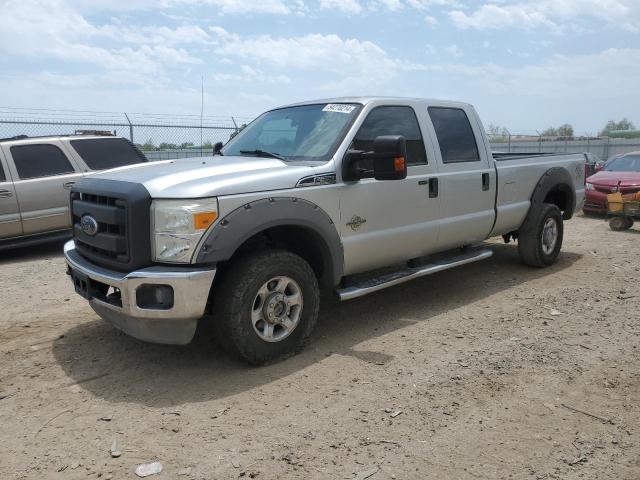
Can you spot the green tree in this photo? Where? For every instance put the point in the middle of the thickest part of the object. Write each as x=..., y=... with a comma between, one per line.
x=550, y=132
x=494, y=130
x=624, y=124
x=148, y=145
x=565, y=130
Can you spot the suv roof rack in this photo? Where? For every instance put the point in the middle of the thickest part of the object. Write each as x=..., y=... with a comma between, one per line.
x=100, y=133
x=16, y=137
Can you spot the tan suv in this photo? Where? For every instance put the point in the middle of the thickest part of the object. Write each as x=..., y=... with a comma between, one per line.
x=36, y=174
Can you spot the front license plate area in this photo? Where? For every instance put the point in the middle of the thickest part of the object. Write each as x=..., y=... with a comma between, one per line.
x=82, y=284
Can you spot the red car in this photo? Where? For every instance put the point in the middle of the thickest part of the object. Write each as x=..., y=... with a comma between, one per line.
x=621, y=173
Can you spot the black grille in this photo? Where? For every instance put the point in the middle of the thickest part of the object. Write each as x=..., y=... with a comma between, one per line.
x=121, y=210
x=110, y=241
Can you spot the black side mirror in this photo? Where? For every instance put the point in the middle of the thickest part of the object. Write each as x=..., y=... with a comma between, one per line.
x=388, y=158
x=217, y=147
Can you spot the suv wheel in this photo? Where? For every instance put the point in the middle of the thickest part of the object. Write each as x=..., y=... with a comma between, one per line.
x=540, y=239
x=267, y=305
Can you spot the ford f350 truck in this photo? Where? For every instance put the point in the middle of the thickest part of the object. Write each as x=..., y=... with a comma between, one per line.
x=348, y=194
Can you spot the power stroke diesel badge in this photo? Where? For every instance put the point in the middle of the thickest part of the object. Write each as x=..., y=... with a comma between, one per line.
x=356, y=222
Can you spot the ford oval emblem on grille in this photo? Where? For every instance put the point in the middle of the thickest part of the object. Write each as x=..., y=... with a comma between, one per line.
x=89, y=225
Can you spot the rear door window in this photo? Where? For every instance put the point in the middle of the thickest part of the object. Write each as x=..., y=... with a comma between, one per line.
x=3, y=177
x=105, y=153
x=36, y=161
x=455, y=135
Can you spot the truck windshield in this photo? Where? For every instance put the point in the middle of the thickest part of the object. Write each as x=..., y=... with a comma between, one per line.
x=628, y=163
x=304, y=133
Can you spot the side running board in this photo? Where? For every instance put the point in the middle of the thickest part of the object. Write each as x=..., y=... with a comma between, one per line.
x=395, y=278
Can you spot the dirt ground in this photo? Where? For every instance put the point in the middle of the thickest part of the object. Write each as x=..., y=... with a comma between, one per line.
x=493, y=370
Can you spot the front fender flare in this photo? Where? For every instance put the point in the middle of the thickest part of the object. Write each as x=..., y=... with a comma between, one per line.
x=226, y=236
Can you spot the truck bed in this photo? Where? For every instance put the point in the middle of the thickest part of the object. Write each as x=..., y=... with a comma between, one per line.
x=518, y=175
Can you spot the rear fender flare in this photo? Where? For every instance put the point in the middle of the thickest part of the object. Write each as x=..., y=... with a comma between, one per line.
x=554, y=178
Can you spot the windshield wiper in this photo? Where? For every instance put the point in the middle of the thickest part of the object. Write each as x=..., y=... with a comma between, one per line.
x=262, y=153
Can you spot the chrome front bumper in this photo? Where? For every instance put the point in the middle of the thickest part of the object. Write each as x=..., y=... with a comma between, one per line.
x=173, y=325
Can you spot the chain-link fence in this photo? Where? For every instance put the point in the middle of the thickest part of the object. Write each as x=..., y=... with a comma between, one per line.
x=159, y=136
x=163, y=136
x=603, y=147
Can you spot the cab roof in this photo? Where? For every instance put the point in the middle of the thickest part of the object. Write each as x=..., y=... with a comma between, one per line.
x=364, y=100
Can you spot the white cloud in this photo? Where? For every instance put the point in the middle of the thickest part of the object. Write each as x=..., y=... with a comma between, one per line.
x=389, y=4
x=433, y=21
x=282, y=7
x=52, y=30
x=454, y=51
x=316, y=52
x=427, y=4
x=345, y=6
x=553, y=14
x=250, y=75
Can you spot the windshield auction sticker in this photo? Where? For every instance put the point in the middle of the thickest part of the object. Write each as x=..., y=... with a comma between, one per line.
x=339, y=108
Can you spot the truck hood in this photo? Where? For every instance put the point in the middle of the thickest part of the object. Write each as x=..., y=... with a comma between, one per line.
x=611, y=179
x=210, y=176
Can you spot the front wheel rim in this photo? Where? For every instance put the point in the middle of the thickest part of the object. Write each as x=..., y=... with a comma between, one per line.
x=277, y=309
x=549, y=236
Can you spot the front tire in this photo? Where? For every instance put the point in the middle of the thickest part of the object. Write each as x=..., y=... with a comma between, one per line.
x=540, y=239
x=266, y=305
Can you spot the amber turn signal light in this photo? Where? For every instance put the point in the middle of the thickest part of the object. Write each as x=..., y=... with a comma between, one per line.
x=204, y=219
x=398, y=164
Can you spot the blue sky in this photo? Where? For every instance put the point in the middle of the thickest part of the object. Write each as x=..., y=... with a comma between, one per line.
x=525, y=64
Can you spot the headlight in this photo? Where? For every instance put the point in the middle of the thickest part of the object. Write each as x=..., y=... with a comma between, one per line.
x=178, y=225
x=589, y=186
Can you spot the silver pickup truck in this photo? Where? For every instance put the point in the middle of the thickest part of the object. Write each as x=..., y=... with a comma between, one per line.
x=347, y=194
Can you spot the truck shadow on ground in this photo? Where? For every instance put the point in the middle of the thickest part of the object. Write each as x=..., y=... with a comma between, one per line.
x=118, y=368
x=32, y=253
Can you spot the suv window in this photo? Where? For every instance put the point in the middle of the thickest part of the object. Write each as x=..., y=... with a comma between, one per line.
x=455, y=136
x=104, y=153
x=3, y=177
x=392, y=121
x=35, y=161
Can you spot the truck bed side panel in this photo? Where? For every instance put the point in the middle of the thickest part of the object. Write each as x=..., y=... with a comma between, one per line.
x=517, y=179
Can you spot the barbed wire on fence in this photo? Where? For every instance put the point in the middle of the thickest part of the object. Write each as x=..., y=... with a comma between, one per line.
x=159, y=135
x=163, y=136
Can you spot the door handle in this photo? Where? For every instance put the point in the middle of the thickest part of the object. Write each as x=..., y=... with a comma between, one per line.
x=485, y=181
x=433, y=187
x=68, y=185
x=6, y=194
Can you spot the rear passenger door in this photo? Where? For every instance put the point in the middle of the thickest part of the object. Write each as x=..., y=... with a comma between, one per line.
x=10, y=224
x=42, y=175
x=467, y=178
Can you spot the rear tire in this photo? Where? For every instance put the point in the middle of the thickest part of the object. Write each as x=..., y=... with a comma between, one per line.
x=540, y=238
x=266, y=306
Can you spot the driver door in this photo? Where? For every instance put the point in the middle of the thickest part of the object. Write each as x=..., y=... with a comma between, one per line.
x=387, y=222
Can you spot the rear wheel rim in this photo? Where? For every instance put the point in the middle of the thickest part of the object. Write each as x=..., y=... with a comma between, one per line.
x=277, y=309
x=549, y=236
